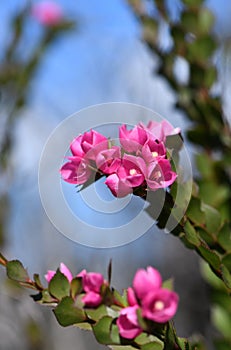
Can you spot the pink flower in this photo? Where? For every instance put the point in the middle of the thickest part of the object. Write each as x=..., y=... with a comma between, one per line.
x=160, y=305
x=131, y=297
x=160, y=174
x=145, y=281
x=130, y=174
x=76, y=171
x=109, y=160
x=160, y=129
x=92, y=299
x=153, y=150
x=63, y=269
x=92, y=283
x=132, y=140
x=89, y=144
x=127, y=322
x=117, y=186
x=47, y=13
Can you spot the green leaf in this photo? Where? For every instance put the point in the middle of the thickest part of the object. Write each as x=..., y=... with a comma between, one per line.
x=122, y=347
x=222, y=321
x=193, y=2
x=15, y=271
x=121, y=299
x=98, y=313
x=194, y=211
x=84, y=326
x=76, y=286
x=37, y=281
x=153, y=346
x=59, y=286
x=67, y=313
x=212, y=218
x=210, y=256
x=201, y=49
x=226, y=276
x=226, y=260
x=168, y=284
x=224, y=237
x=191, y=234
x=105, y=332
x=211, y=278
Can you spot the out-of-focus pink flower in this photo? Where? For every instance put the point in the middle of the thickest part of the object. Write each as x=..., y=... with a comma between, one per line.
x=160, y=174
x=92, y=282
x=89, y=144
x=48, y=13
x=63, y=269
x=127, y=322
x=132, y=140
x=131, y=297
x=160, y=305
x=146, y=281
x=109, y=160
x=153, y=150
x=76, y=171
x=92, y=299
x=159, y=130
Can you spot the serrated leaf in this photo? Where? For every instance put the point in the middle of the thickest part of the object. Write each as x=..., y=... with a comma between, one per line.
x=224, y=237
x=67, y=313
x=105, y=332
x=76, y=286
x=226, y=260
x=59, y=287
x=37, y=281
x=226, y=276
x=98, y=313
x=191, y=234
x=210, y=256
x=194, y=211
x=120, y=299
x=15, y=271
x=212, y=218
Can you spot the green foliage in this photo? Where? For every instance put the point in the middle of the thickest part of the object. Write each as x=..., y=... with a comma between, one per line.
x=15, y=271
x=68, y=314
x=59, y=287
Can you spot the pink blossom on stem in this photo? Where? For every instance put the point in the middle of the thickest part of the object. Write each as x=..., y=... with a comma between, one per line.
x=160, y=174
x=160, y=305
x=145, y=281
x=132, y=140
x=92, y=299
x=76, y=171
x=63, y=269
x=89, y=144
x=109, y=160
x=131, y=297
x=127, y=322
x=153, y=150
x=159, y=130
x=48, y=13
x=119, y=187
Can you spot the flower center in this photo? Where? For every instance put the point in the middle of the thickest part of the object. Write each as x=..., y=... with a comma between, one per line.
x=132, y=172
x=154, y=154
x=159, y=305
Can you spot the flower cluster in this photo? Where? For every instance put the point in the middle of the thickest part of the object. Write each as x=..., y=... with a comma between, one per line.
x=92, y=283
x=147, y=295
x=139, y=162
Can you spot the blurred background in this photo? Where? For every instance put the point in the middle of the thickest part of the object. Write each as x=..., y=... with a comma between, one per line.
x=91, y=53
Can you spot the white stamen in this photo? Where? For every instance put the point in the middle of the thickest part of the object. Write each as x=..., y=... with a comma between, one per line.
x=159, y=305
x=158, y=174
x=154, y=154
x=132, y=172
